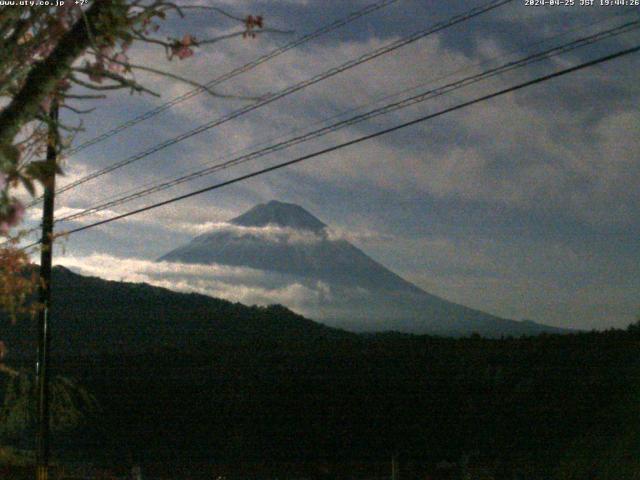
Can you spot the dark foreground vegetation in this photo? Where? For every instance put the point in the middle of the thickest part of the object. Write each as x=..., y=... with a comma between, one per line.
x=264, y=393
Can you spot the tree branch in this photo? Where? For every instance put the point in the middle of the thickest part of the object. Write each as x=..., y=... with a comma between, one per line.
x=187, y=81
x=79, y=111
x=45, y=75
x=262, y=31
x=205, y=7
x=122, y=81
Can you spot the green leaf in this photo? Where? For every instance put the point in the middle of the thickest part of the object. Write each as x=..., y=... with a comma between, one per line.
x=9, y=156
x=42, y=170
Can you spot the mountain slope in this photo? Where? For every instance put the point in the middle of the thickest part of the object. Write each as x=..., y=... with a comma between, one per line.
x=187, y=378
x=92, y=316
x=355, y=291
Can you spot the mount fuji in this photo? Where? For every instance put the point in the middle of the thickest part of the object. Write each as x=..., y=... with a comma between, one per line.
x=286, y=246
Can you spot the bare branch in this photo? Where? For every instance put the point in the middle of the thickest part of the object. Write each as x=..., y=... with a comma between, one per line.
x=92, y=86
x=190, y=82
x=79, y=111
x=242, y=33
x=215, y=9
x=147, y=39
x=60, y=126
x=119, y=79
x=83, y=97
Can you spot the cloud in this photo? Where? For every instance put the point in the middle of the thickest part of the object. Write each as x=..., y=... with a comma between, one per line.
x=278, y=234
x=359, y=235
x=559, y=157
x=237, y=284
x=270, y=233
x=462, y=161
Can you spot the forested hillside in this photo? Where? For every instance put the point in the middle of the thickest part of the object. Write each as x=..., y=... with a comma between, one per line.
x=192, y=384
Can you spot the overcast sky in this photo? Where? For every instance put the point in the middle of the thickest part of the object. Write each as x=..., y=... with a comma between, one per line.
x=524, y=206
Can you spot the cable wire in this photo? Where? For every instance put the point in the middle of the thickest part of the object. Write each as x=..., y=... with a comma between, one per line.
x=222, y=78
x=337, y=115
x=233, y=73
x=361, y=139
x=404, y=103
x=292, y=89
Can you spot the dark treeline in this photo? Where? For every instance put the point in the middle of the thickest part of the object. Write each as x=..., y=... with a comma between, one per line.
x=547, y=407
x=273, y=394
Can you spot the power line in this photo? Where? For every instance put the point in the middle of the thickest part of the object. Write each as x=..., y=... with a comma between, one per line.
x=235, y=72
x=625, y=28
x=514, y=88
x=406, y=102
x=371, y=8
x=292, y=89
x=296, y=87
x=153, y=184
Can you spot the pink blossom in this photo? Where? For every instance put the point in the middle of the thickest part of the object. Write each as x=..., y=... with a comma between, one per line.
x=250, y=23
x=18, y=210
x=3, y=180
x=64, y=84
x=63, y=19
x=121, y=57
x=46, y=103
x=116, y=65
x=181, y=48
x=184, y=52
x=188, y=40
x=105, y=51
x=95, y=72
x=45, y=48
x=181, y=51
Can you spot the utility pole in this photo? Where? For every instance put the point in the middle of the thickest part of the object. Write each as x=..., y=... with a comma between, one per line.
x=46, y=253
